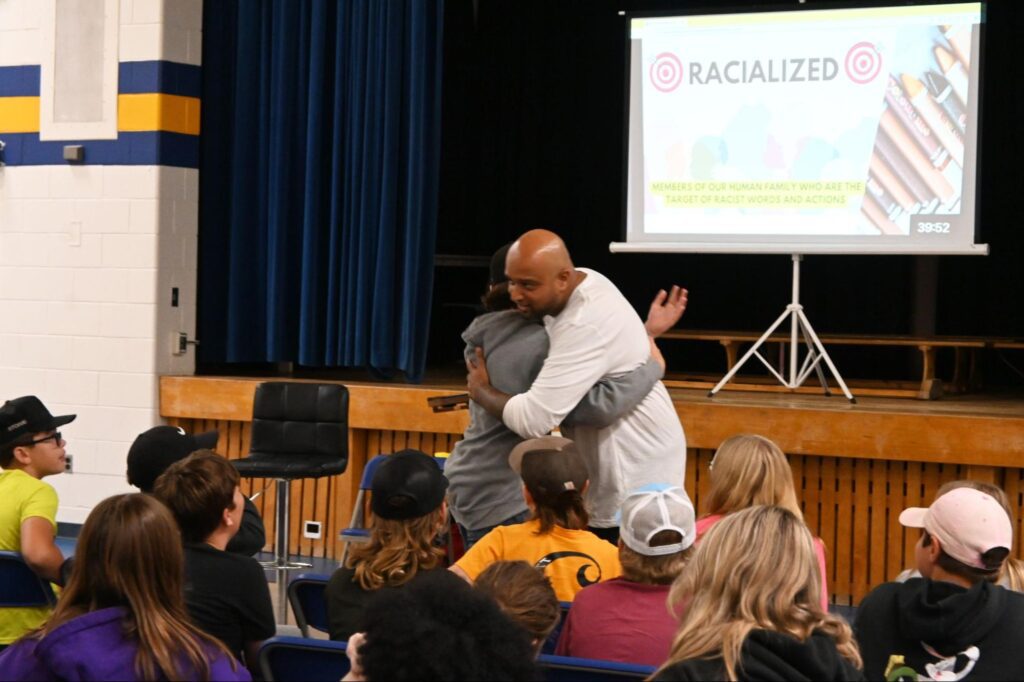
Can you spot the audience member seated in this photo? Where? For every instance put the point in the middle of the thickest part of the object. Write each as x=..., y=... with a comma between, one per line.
x=748, y=470
x=160, y=447
x=227, y=594
x=1012, y=574
x=954, y=623
x=31, y=449
x=122, y=616
x=439, y=628
x=525, y=595
x=753, y=610
x=555, y=539
x=629, y=619
x=408, y=512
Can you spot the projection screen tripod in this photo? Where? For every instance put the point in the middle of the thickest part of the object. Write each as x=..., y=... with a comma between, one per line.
x=799, y=326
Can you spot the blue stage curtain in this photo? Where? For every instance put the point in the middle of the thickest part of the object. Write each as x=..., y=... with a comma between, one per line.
x=319, y=181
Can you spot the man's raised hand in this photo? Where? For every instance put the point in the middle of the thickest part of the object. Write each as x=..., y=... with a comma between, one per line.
x=666, y=309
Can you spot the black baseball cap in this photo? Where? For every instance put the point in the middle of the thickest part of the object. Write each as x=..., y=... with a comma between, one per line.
x=160, y=447
x=27, y=415
x=407, y=485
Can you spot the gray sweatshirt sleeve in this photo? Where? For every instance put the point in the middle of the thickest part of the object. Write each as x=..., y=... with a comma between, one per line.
x=612, y=397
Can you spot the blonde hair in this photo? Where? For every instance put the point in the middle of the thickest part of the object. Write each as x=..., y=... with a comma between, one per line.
x=397, y=550
x=748, y=470
x=1013, y=568
x=755, y=569
x=654, y=570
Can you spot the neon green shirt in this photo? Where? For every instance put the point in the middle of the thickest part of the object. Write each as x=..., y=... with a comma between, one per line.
x=22, y=497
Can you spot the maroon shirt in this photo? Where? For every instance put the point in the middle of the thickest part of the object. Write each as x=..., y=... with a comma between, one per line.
x=619, y=620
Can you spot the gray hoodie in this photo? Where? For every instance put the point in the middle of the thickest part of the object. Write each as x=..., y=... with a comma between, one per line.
x=483, y=491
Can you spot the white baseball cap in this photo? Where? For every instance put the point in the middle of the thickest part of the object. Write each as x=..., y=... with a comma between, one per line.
x=650, y=510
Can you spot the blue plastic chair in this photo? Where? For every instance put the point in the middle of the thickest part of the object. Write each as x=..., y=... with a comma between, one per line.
x=20, y=586
x=568, y=669
x=551, y=643
x=357, y=532
x=306, y=594
x=294, y=659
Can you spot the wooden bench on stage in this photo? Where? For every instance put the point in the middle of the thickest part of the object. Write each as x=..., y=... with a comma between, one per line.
x=929, y=388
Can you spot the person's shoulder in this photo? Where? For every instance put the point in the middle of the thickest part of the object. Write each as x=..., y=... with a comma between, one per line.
x=25, y=483
x=881, y=598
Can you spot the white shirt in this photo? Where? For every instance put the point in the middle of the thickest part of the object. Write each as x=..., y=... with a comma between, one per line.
x=598, y=334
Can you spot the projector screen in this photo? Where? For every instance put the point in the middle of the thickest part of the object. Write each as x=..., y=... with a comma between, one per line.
x=848, y=131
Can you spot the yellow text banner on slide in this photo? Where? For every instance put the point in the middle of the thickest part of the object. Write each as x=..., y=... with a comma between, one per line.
x=156, y=111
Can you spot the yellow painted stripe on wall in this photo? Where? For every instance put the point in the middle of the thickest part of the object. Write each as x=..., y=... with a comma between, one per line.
x=19, y=114
x=156, y=111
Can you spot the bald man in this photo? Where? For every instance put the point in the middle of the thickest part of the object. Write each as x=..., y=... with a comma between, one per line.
x=594, y=333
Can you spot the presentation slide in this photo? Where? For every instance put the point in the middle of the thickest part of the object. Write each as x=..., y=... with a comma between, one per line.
x=805, y=131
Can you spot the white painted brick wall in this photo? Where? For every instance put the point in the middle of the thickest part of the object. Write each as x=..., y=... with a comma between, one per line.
x=83, y=250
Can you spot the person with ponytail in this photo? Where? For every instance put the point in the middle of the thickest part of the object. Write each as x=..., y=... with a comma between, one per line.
x=753, y=610
x=122, y=615
x=555, y=538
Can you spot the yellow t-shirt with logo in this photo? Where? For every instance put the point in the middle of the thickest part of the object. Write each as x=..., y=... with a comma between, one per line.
x=571, y=559
x=22, y=497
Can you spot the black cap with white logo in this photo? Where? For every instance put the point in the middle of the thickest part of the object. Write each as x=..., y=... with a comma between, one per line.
x=25, y=416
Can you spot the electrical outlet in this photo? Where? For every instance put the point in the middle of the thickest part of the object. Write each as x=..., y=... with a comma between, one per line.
x=69, y=464
x=311, y=530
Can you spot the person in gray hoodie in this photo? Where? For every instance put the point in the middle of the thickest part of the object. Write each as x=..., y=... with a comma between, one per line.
x=483, y=491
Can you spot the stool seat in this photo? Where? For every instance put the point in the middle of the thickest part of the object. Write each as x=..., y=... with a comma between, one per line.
x=287, y=465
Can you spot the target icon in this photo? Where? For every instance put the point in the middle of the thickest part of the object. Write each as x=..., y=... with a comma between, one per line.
x=863, y=63
x=666, y=72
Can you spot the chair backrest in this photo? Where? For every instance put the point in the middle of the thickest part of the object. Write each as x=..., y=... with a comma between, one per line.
x=366, y=483
x=551, y=643
x=300, y=418
x=20, y=586
x=307, y=595
x=288, y=659
x=568, y=669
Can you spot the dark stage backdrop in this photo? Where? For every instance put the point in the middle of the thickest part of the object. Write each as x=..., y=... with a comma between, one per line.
x=533, y=137
x=318, y=182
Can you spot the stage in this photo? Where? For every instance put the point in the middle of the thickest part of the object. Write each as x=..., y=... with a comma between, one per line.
x=856, y=466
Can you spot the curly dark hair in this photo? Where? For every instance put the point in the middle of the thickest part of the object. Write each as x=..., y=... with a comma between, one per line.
x=439, y=628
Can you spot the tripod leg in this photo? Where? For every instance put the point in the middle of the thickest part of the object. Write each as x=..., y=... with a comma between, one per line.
x=824, y=354
x=746, y=356
x=817, y=368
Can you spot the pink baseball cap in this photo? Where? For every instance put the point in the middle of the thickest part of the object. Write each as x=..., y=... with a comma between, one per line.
x=967, y=523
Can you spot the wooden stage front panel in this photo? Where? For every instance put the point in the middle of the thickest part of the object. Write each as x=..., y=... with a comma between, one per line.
x=856, y=467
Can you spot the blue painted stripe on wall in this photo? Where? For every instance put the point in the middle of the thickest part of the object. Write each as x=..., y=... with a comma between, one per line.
x=19, y=81
x=149, y=148
x=170, y=78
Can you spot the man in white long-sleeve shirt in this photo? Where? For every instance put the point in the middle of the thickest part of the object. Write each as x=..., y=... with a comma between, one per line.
x=594, y=332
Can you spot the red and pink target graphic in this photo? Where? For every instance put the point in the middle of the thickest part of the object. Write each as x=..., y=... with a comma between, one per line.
x=666, y=72
x=863, y=63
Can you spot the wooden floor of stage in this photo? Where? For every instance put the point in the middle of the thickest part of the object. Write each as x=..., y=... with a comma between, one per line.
x=856, y=466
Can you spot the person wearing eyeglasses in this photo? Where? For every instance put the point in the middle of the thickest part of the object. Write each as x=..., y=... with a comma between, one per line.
x=31, y=448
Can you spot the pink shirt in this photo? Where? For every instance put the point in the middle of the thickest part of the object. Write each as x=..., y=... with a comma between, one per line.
x=619, y=620
x=704, y=525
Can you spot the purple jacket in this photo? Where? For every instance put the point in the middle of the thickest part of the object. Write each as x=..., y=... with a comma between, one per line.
x=92, y=647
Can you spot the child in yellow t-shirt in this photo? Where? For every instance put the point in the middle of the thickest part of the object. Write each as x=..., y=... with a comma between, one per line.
x=31, y=448
x=556, y=538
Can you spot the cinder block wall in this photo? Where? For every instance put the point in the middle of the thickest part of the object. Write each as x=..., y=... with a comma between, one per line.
x=90, y=252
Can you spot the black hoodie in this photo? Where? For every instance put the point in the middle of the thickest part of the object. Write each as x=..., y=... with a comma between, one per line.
x=771, y=656
x=899, y=619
